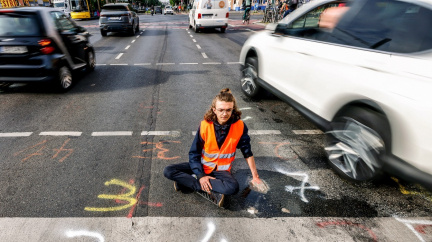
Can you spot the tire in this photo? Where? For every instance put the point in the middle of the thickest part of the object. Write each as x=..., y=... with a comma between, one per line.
x=223, y=30
x=132, y=31
x=103, y=33
x=357, y=143
x=137, y=28
x=195, y=28
x=65, y=81
x=248, y=82
x=91, y=61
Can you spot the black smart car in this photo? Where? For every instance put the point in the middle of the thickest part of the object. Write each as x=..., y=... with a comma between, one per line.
x=39, y=44
x=158, y=9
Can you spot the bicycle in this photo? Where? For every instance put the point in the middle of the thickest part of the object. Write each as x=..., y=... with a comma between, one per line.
x=247, y=17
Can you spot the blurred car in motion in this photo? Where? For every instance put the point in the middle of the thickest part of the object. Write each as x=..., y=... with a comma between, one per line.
x=362, y=75
x=209, y=14
x=168, y=10
x=118, y=17
x=158, y=9
x=39, y=44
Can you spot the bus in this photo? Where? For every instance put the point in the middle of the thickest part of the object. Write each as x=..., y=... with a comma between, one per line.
x=62, y=5
x=80, y=9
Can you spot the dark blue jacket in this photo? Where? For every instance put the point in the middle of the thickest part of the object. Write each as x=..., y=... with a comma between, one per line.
x=221, y=132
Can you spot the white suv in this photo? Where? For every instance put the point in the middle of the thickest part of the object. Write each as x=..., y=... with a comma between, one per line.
x=366, y=80
x=168, y=10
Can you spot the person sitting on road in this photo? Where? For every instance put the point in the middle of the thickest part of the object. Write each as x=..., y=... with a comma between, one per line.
x=212, y=152
x=247, y=8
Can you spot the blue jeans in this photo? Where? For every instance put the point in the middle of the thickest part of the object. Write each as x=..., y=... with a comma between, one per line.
x=181, y=173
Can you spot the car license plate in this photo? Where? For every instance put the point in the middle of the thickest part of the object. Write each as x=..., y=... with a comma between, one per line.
x=13, y=49
x=207, y=16
x=114, y=18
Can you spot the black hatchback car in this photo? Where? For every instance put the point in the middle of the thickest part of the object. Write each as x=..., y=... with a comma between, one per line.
x=118, y=17
x=39, y=44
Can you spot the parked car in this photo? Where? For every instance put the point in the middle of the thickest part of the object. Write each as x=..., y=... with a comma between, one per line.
x=209, y=14
x=168, y=10
x=364, y=79
x=118, y=17
x=39, y=44
x=158, y=9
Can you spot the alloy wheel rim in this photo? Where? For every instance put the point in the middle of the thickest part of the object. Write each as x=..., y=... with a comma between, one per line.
x=356, y=150
x=92, y=61
x=248, y=79
x=66, y=81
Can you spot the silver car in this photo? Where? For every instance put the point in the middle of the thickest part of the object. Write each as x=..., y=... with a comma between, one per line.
x=118, y=17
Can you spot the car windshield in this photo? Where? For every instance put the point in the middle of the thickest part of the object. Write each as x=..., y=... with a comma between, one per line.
x=169, y=7
x=213, y=4
x=15, y=24
x=79, y=6
x=114, y=8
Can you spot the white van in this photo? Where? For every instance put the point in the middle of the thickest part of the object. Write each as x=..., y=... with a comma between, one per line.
x=209, y=14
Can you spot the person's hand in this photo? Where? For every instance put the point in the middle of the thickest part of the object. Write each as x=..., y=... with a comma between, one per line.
x=256, y=181
x=205, y=183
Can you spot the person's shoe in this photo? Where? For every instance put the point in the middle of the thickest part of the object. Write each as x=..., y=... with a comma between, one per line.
x=176, y=187
x=218, y=199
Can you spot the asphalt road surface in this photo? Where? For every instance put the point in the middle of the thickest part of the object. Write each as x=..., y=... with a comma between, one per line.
x=88, y=165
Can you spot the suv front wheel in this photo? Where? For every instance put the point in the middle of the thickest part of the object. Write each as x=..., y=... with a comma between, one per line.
x=64, y=79
x=249, y=78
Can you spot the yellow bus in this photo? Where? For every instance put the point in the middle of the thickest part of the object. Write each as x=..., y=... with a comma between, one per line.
x=80, y=9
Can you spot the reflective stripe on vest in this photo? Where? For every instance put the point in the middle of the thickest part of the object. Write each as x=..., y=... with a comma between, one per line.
x=212, y=157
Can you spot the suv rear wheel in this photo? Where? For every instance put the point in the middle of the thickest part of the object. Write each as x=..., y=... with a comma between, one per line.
x=356, y=144
x=103, y=33
x=91, y=61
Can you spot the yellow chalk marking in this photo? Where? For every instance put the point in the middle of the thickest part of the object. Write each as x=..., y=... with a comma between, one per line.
x=407, y=192
x=125, y=197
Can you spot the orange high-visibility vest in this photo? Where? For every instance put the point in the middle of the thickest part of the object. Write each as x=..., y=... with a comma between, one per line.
x=212, y=156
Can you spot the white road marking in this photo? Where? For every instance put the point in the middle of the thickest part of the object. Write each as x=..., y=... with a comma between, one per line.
x=119, y=55
x=188, y=63
x=173, y=133
x=142, y=64
x=127, y=47
x=132, y=41
x=263, y=132
x=199, y=47
x=101, y=64
x=137, y=36
x=62, y=133
x=16, y=134
x=191, y=36
x=313, y=131
x=247, y=108
x=211, y=63
x=204, y=55
x=158, y=64
x=233, y=63
x=119, y=64
x=250, y=30
x=193, y=40
x=112, y=133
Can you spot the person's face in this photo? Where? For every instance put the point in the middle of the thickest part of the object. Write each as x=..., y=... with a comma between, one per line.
x=223, y=111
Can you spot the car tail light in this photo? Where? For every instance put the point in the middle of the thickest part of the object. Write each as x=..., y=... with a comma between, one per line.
x=103, y=15
x=227, y=15
x=6, y=11
x=199, y=16
x=46, y=45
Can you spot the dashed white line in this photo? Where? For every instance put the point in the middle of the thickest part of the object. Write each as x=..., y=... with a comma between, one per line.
x=188, y=63
x=101, y=64
x=112, y=133
x=193, y=40
x=211, y=63
x=191, y=36
x=142, y=64
x=60, y=133
x=250, y=30
x=233, y=63
x=313, y=131
x=16, y=134
x=132, y=41
x=137, y=36
x=158, y=64
x=199, y=47
x=127, y=47
x=118, y=64
x=172, y=133
x=261, y=132
x=119, y=55
x=204, y=55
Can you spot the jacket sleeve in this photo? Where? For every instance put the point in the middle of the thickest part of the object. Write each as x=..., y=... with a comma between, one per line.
x=244, y=143
x=195, y=155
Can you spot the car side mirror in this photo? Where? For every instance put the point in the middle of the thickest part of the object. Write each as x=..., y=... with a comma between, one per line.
x=280, y=29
